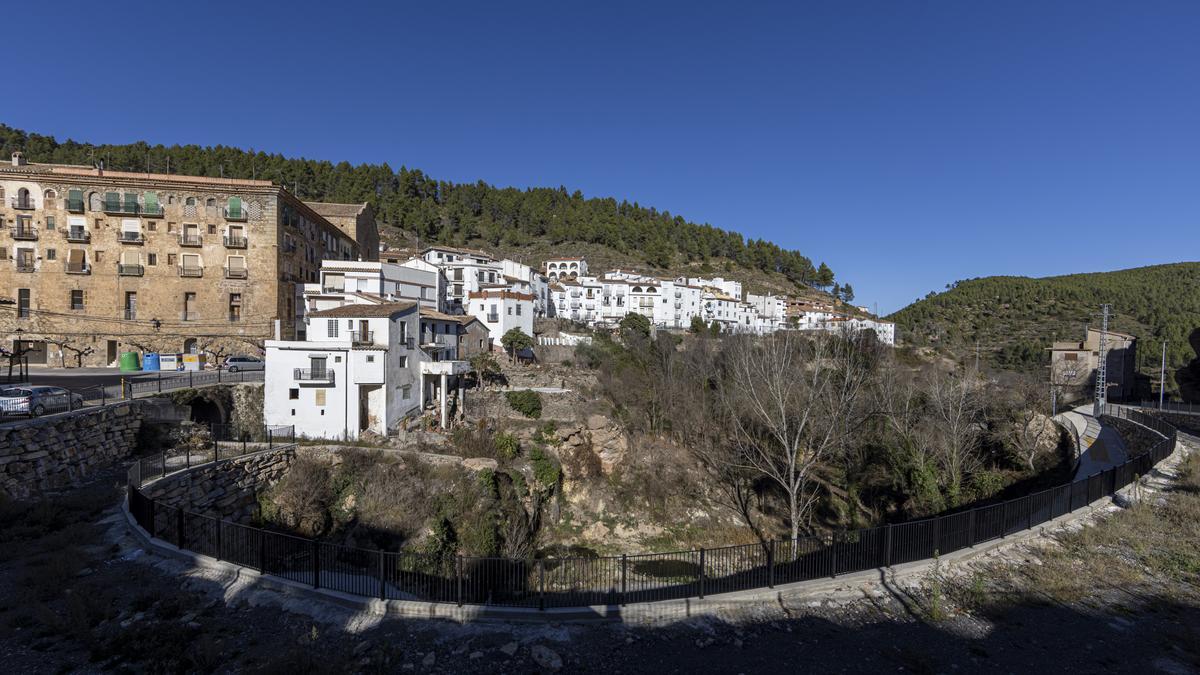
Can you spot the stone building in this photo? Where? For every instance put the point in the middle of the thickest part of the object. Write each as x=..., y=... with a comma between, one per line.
x=1073, y=365
x=95, y=262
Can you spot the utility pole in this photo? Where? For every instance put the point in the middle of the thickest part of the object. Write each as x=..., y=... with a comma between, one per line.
x=1102, y=366
x=1162, y=376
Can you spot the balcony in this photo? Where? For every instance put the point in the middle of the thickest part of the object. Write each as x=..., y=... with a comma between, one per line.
x=79, y=235
x=132, y=209
x=130, y=270
x=78, y=268
x=191, y=240
x=23, y=204
x=493, y=318
x=127, y=237
x=25, y=232
x=25, y=265
x=130, y=314
x=235, y=214
x=366, y=337
x=151, y=211
x=311, y=375
x=235, y=273
x=235, y=242
x=189, y=316
x=74, y=205
x=193, y=272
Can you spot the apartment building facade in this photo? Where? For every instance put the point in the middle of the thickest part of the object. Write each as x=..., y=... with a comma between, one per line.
x=97, y=263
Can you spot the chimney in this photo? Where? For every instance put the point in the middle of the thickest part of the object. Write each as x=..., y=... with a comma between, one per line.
x=18, y=159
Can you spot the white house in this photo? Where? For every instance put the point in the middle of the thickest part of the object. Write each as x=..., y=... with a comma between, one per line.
x=466, y=272
x=501, y=310
x=728, y=287
x=565, y=268
x=356, y=370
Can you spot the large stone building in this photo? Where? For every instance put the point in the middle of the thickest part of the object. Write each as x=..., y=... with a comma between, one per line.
x=95, y=263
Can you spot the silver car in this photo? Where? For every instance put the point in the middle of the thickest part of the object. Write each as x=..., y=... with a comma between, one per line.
x=38, y=400
x=235, y=363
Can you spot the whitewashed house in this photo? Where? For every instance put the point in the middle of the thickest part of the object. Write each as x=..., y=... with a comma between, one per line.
x=565, y=268
x=501, y=310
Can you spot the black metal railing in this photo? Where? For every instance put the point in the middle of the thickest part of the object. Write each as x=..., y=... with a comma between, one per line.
x=586, y=581
x=362, y=337
x=25, y=232
x=127, y=237
x=190, y=271
x=78, y=234
x=25, y=204
x=132, y=209
x=235, y=273
x=74, y=205
x=235, y=214
x=159, y=381
x=130, y=270
x=25, y=265
x=78, y=268
x=312, y=375
x=235, y=242
x=191, y=240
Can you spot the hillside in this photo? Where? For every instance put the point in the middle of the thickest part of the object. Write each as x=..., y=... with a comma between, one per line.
x=1013, y=319
x=411, y=204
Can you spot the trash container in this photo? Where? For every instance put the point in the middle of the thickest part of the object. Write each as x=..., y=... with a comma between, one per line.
x=129, y=362
x=150, y=362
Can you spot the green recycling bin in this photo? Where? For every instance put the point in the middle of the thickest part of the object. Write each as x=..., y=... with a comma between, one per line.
x=129, y=362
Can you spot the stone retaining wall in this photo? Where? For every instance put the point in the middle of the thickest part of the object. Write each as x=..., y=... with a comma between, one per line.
x=226, y=490
x=51, y=453
x=1138, y=439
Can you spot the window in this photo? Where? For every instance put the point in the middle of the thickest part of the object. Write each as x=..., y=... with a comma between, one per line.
x=294, y=395
x=320, y=396
x=403, y=361
x=189, y=306
x=151, y=258
x=519, y=309
x=406, y=392
x=51, y=254
x=170, y=258
x=98, y=255
x=235, y=306
x=212, y=229
x=509, y=310
x=23, y=303
x=49, y=222
x=170, y=227
x=370, y=358
x=152, y=226
x=76, y=299
x=332, y=328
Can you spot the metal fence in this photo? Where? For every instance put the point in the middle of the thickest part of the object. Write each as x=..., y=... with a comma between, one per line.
x=612, y=580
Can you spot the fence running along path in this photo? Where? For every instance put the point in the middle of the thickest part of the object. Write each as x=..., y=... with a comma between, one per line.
x=128, y=388
x=613, y=580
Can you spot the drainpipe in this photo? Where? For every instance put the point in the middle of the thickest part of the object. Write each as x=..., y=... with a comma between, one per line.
x=346, y=396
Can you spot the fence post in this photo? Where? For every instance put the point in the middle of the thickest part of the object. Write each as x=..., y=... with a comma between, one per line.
x=458, y=577
x=179, y=528
x=218, y=375
x=833, y=554
x=122, y=389
x=887, y=549
x=269, y=444
x=243, y=443
x=1004, y=520
x=971, y=529
x=316, y=565
x=382, y=577
x=164, y=465
x=190, y=378
x=541, y=585
x=160, y=381
x=624, y=562
x=262, y=551
x=771, y=564
x=701, y=572
x=1029, y=514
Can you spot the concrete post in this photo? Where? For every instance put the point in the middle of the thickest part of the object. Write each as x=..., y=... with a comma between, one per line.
x=442, y=401
x=462, y=398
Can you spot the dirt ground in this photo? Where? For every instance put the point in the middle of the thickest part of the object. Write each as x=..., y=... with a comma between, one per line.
x=78, y=595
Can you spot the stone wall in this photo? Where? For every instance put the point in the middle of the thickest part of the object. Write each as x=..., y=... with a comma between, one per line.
x=50, y=453
x=1138, y=439
x=226, y=490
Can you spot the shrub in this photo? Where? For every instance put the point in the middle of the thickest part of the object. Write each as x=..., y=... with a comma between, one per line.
x=546, y=471
x=507, y=446
x=546, y=434
x=526, y=402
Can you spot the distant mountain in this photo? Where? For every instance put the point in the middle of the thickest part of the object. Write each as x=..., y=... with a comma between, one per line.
x=412, y=206
x=1014, y=319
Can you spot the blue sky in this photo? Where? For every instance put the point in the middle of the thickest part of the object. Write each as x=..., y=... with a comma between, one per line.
x=907, y=144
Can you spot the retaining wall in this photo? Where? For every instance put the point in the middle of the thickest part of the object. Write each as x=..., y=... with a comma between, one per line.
x=50, y=453
x=226, y=490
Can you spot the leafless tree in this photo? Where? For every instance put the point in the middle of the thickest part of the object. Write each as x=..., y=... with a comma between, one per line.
x=956, y=427
x=70, y=344
x=788, y=397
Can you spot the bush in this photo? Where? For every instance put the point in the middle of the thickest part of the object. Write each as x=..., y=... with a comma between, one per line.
x=526, y=402
x=507, y=446
x=545, y=470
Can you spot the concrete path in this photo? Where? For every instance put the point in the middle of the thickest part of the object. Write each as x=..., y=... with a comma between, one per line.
x=1100, y=446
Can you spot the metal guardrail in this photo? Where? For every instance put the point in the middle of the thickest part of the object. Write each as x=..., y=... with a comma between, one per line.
x=584, y=581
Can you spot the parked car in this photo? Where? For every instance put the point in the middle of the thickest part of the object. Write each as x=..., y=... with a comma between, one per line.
x=37, y=401
x=236, y=363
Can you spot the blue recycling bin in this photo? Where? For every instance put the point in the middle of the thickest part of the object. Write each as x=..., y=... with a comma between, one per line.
x=150, y=362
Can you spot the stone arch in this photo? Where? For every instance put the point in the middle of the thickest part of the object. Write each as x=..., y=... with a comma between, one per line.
x=95, y=202
x=190, y=346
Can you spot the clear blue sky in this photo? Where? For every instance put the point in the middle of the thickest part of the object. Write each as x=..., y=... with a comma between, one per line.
x=907, y=144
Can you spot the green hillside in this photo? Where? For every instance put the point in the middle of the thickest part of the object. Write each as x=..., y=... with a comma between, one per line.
x=1013, y=319
x=411, y=204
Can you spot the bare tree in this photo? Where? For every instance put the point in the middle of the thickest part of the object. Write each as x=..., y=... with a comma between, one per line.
x=788, y=399
x=956, y=427
x=1024, y=420
x=69, y=344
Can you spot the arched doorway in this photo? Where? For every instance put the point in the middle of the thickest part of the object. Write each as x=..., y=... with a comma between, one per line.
x=190, y=347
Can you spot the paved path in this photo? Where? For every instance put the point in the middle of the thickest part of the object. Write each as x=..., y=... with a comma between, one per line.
x=1101, y=446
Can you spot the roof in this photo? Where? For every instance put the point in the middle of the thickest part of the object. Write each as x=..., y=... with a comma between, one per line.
x=335, y=210
x=464, y=251
x=87, y=171
x=502, y=294
x=428, y=313
x=384, y=310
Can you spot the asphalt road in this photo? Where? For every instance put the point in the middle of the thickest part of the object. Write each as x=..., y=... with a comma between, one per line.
x=77, y=379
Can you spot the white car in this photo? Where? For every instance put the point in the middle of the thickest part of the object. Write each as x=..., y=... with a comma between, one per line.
x=235, y=363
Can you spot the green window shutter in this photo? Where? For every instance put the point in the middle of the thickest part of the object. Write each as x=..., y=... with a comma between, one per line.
x=235, y=206
x=112, y=201
x=151, y=202
x=130, y=202
x=75, y=196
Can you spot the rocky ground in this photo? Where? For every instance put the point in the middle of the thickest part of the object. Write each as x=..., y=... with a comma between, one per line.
x=1123, y=595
